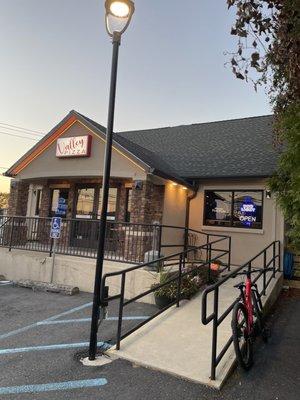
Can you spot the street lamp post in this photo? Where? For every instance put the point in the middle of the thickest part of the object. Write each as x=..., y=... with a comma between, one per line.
x=118, y=16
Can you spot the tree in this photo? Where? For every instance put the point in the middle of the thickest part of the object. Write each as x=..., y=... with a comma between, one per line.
x=268, y=51
x=4, y=200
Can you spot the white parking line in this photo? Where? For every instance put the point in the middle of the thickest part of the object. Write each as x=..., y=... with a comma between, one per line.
x=26, y=328
x=103, y=345
x=48, y=387
x=79, y=320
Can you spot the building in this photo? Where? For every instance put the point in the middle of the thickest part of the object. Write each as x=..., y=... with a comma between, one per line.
x=210, y=177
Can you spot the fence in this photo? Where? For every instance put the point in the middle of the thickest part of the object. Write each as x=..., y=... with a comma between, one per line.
x=212, y=252
x=269, y=256
x=125, y=242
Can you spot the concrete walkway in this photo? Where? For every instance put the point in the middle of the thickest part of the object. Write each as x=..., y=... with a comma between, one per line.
x=178, y=343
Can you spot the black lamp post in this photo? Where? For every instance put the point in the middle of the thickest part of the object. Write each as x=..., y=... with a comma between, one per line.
x=117, y=18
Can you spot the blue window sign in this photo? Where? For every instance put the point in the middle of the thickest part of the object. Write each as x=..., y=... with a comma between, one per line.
x=248, y=212
x=62, y=207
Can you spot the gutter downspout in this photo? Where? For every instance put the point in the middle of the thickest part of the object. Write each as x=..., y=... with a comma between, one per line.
x=189, y=198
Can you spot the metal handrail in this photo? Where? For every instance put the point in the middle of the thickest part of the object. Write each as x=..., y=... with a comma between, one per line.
x=180, y=274
x=214, y=316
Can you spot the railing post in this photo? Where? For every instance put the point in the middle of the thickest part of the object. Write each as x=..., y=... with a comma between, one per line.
x=207, y=241
x=51, y=247
x=121, y=306
x=181, y=261
x=11, y=233
x=264, y=275
x=279, y=256
x=159, y=240
x=214, y=335
x=229, y=254
x=249, y=266
x=209, y=266
x=274, y=259
x=186, y=233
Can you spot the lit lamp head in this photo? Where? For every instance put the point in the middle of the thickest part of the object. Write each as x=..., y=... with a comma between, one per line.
x=118, y=16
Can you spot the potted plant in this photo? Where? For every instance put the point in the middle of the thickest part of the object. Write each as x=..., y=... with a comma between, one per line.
x=190, y=285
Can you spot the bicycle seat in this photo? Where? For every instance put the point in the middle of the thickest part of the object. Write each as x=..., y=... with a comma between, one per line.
x=239, y=285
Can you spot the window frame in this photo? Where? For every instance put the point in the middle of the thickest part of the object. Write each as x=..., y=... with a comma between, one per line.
x=232, y=191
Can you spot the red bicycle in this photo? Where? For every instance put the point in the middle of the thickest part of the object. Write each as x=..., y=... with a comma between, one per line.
x=247, y=320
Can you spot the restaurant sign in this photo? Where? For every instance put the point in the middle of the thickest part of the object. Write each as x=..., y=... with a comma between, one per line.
x=77, y=146
x=248, y=212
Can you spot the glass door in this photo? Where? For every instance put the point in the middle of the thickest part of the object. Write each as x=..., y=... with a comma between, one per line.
x=85, y=225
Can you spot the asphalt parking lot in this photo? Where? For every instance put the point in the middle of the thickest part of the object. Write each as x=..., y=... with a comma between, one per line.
x=43, y=335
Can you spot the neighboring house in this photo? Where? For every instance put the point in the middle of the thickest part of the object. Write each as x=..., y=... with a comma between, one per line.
x=210, y=177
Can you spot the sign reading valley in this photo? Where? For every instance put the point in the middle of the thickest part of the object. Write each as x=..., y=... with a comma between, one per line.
x=77, y=146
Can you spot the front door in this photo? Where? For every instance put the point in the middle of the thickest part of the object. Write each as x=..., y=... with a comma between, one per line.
x=87, y=214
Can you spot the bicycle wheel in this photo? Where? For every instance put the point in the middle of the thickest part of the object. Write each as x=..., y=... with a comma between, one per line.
x=241, y=339
x=258, y=313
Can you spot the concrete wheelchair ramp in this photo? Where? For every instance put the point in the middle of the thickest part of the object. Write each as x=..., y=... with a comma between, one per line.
x=176, y=342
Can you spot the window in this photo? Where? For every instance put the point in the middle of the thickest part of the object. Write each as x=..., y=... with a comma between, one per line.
x=38, y=200
x=112, y=204
x=238, y=209
x=55, y=196
x=128, y=204
x=85, y=202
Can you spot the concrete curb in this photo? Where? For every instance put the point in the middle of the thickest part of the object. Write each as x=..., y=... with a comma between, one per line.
x=48, y=287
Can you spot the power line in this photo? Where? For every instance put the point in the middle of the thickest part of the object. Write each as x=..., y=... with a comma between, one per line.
x=19, y=136
x=20, y=127
x=19, y=131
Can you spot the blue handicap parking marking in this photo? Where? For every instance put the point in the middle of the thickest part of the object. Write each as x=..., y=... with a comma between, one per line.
x=48, y=387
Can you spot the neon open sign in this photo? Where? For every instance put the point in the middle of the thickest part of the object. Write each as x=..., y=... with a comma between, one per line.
x=248, y=212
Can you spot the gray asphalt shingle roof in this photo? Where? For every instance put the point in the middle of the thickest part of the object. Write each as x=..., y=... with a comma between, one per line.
x=233, y=148
x=222, y=149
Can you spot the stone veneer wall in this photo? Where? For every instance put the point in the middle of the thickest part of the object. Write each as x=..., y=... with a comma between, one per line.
x=147, y=203
x=18, y=198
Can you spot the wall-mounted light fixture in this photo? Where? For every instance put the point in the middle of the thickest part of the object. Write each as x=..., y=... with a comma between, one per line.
x=268, y=194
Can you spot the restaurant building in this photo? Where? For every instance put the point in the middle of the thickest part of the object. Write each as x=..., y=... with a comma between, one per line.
x=210, y=177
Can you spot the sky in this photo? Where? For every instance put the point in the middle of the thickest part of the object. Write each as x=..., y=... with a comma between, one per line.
x=56, y=55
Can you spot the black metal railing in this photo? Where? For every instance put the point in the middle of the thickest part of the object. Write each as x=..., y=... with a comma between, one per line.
x=268, y=258
x=125, y=242
x=180, y=260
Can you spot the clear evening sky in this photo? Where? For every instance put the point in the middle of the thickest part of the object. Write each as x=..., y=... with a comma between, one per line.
x=55, y=56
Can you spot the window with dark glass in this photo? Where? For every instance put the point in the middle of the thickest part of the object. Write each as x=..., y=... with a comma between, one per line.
x=59, y=196
x=38, y=201
x=238, y=209
x=128, y=205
